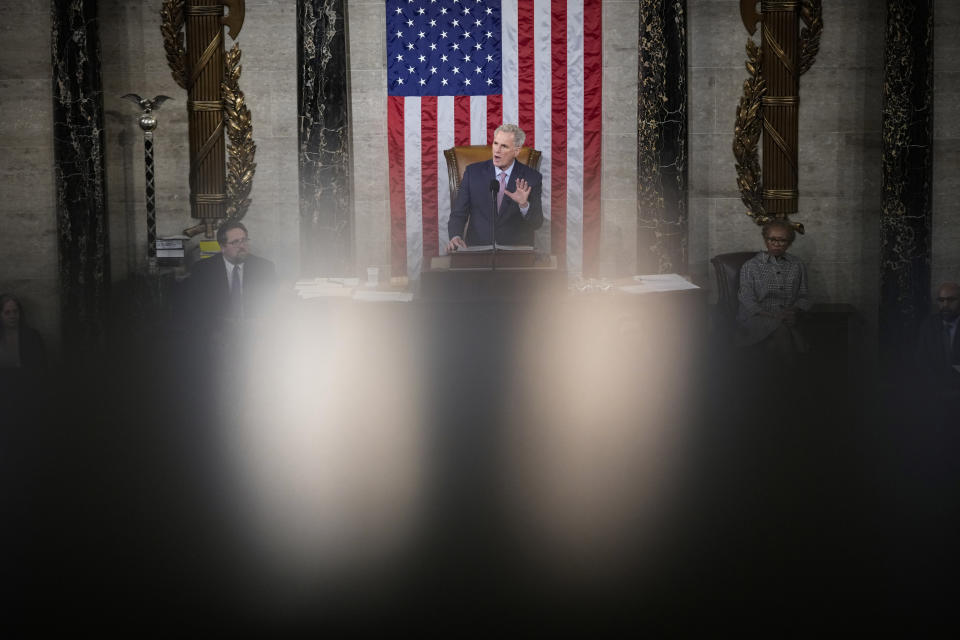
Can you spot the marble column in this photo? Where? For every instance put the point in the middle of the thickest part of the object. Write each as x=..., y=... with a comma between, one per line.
x=907, y=166
x=326, y=208
x=662, y=138
x=84, y=249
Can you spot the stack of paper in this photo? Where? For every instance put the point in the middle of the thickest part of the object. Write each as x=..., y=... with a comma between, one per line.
x=658, y=282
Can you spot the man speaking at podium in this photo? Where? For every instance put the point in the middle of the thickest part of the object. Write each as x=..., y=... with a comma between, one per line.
x=512, y=187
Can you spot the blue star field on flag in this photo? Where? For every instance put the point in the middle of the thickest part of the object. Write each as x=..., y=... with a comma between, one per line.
x=443, y=47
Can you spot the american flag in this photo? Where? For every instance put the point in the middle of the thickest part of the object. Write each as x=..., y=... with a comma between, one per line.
x=456, y=70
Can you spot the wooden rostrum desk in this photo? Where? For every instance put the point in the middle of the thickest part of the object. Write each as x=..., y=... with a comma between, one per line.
x=446, y=282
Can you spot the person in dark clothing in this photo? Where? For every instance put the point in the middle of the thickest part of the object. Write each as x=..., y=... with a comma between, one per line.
x=938, y=345
x=21, y=347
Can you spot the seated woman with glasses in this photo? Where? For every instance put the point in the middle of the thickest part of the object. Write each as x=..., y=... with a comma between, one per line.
x=773, y=292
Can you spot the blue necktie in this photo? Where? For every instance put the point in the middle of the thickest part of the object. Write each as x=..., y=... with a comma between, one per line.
x=236, y=291
x=503, y=187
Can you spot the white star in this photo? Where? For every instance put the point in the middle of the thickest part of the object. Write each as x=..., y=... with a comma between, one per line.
x=400, y=81
x=489, y=81
x=478, y=70
x=443, y=58
x=422, y=58
x=466, y=34
x=456, y=47
x=456, y=69
x=433, y=23
x=466, y=11
x=489, y=58
x=443, y=81
x=422, y=82
x=410, y=45
x=455, y=23
x=443, y=10
x=489, y=34
x=478, y=46
x=399, y=34
x=489, y=11
x=433, y=46
x=421, y=11
x=409, y=23
x=433, y=70
x=467, y=82
x=399, y=11
x=399, y=58
x=443, y=34
x=466, y=58
x=422, y=34
x=410, y=69
x=477, y=23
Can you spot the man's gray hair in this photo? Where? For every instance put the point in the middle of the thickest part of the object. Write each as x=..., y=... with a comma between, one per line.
x=518, y=135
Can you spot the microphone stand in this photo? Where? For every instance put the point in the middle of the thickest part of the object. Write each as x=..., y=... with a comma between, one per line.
x=494, y=189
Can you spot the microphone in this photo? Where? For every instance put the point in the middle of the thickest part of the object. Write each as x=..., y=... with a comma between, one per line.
x=494, y=188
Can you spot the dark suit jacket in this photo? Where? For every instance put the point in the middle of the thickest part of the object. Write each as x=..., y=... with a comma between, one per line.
x=935, y=367
x=474, y=201
x=209, y=288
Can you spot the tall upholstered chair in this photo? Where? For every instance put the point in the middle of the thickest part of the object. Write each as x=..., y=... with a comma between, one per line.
x=726, y=266
x=458, y=158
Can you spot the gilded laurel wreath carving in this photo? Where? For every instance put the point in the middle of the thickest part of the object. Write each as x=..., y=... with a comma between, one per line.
x=746, y=134
x=241, y=165
x=810, y=13
x=171, y=27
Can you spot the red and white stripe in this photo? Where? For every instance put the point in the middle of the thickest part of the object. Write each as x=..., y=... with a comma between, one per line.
x=552, y=71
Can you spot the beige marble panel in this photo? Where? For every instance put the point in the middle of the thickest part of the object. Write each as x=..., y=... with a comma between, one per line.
x=712, y=171
x=945, y=259
x=22, y=26
x=852, y=35
x=22, y=101
x=373, y=232
x=841, y=100
x=840, y=164
x=367, y=35
x=620, y=167
x=618, y=238
x=28, y=226
x=368, y=97
x=620, y=100
x=715, y=34
x=620, y=36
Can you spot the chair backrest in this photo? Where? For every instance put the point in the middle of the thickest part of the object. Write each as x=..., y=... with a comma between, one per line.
x=727, y=269
x=459, y=158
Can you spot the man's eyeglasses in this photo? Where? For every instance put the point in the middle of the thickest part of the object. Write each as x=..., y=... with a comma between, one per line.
x=237, y=243
x=775, y=240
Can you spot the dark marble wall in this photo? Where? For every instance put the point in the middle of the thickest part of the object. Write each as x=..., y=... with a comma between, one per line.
x=326, y=213
x=662, y=138
x=84, y=254
x=907, y=162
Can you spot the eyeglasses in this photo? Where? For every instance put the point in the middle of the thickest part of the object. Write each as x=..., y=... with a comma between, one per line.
x=774, y=240
x=238, y=242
